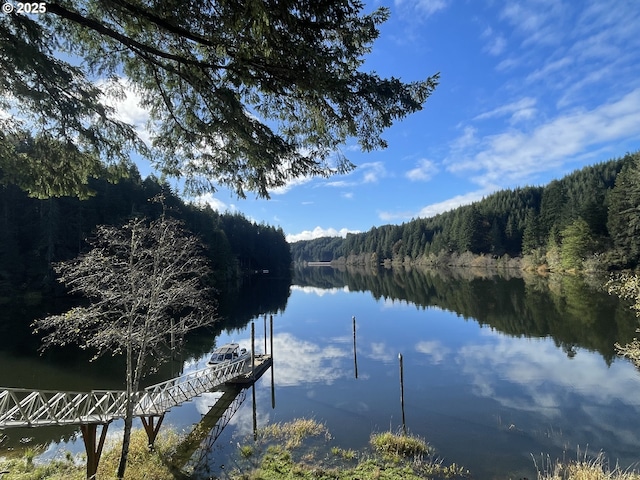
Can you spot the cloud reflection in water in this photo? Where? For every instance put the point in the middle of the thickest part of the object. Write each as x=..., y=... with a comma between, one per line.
x=583, y=397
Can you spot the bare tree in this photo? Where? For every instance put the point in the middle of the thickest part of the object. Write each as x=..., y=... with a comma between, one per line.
x=144, y=284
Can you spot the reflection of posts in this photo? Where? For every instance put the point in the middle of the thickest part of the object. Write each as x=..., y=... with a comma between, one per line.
x=273, y=380
x=265, y=333
x=207, y=431
x=210, y=426
x=254, y=413
x=404, y=425
x=355, y=356
x=253, y=349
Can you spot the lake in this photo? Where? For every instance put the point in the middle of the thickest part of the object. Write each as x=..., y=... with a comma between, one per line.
x=499, y=372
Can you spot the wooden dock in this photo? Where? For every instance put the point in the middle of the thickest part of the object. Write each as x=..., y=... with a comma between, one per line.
x=261, y=364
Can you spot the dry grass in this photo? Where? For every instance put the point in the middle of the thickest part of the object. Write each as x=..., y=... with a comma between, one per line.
x=141, y=463
x=294, y=432
x=584, y=468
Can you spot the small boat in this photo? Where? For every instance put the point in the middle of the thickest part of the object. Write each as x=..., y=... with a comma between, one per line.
x=227, y=353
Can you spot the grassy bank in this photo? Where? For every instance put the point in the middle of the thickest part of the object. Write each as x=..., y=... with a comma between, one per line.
x=302, y=450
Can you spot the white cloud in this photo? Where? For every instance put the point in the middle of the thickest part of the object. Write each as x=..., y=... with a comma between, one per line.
x=508, y=64
x=515, y=156
x=122, y=97
x=215, y=203
x=386, y=216
x=550, y=69
x=519, y=110
x=496, y=43
x=450, y=204
x=538, y=22
x=319, y=232
x=339, y=184
x=425, y=171
x=424, y=7
x=372, y=172
x=296, y=182
x=437, y=208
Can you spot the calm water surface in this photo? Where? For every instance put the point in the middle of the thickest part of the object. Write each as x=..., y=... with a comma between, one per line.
x=497, y=372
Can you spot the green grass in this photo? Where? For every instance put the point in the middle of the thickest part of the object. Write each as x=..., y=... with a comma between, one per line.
x=299, y=450
x=291, y=450
x=398, y=445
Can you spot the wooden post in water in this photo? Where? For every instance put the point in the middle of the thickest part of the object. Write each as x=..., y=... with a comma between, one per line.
x=273, y=382
x=355, y=355
x=404, y=424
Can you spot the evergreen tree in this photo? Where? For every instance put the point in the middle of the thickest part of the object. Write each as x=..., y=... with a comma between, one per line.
x=246, y=94
x=577, y=244
x=624, y=211
x=532, y=235
x=552, y=209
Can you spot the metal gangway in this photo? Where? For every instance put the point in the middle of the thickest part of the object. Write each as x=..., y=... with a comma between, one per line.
x=21, y=407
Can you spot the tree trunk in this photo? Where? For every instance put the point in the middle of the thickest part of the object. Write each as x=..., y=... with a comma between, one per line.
x=128, y=419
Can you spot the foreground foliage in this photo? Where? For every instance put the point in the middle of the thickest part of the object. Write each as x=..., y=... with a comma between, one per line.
x=627, y=287
x=142, y=463
x=300, y=449
x=290, y=450
x=250, y=95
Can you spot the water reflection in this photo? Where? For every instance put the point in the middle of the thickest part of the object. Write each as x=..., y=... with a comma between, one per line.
x=321, y=292
x=593, y=403
x=301, y=361
x=575, y=313
x=496, y=369
x=435, y=350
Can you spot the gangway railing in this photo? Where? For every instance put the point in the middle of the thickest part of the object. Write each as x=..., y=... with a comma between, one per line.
x=20, y=407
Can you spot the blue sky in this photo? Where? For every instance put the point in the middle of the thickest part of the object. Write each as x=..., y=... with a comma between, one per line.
x=530, y=91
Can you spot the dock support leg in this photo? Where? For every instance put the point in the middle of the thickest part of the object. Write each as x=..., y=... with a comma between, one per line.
x=92, y=446
x=151, y=427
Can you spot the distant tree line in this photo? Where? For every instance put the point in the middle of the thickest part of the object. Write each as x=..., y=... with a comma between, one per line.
x=36, y=233
x=588, y=219
x=574, y=312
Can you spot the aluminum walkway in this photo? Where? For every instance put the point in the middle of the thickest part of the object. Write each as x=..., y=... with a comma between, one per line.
x=27, y=408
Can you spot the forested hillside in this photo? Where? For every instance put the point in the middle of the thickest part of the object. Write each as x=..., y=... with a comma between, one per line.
x=590, y=216
x=34, y=233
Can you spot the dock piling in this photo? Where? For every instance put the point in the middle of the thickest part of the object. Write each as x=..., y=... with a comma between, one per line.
x=404, y=424
x=355, y=355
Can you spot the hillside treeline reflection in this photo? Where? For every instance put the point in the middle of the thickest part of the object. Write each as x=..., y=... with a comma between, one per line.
x=255, y=296
x=574, y=312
